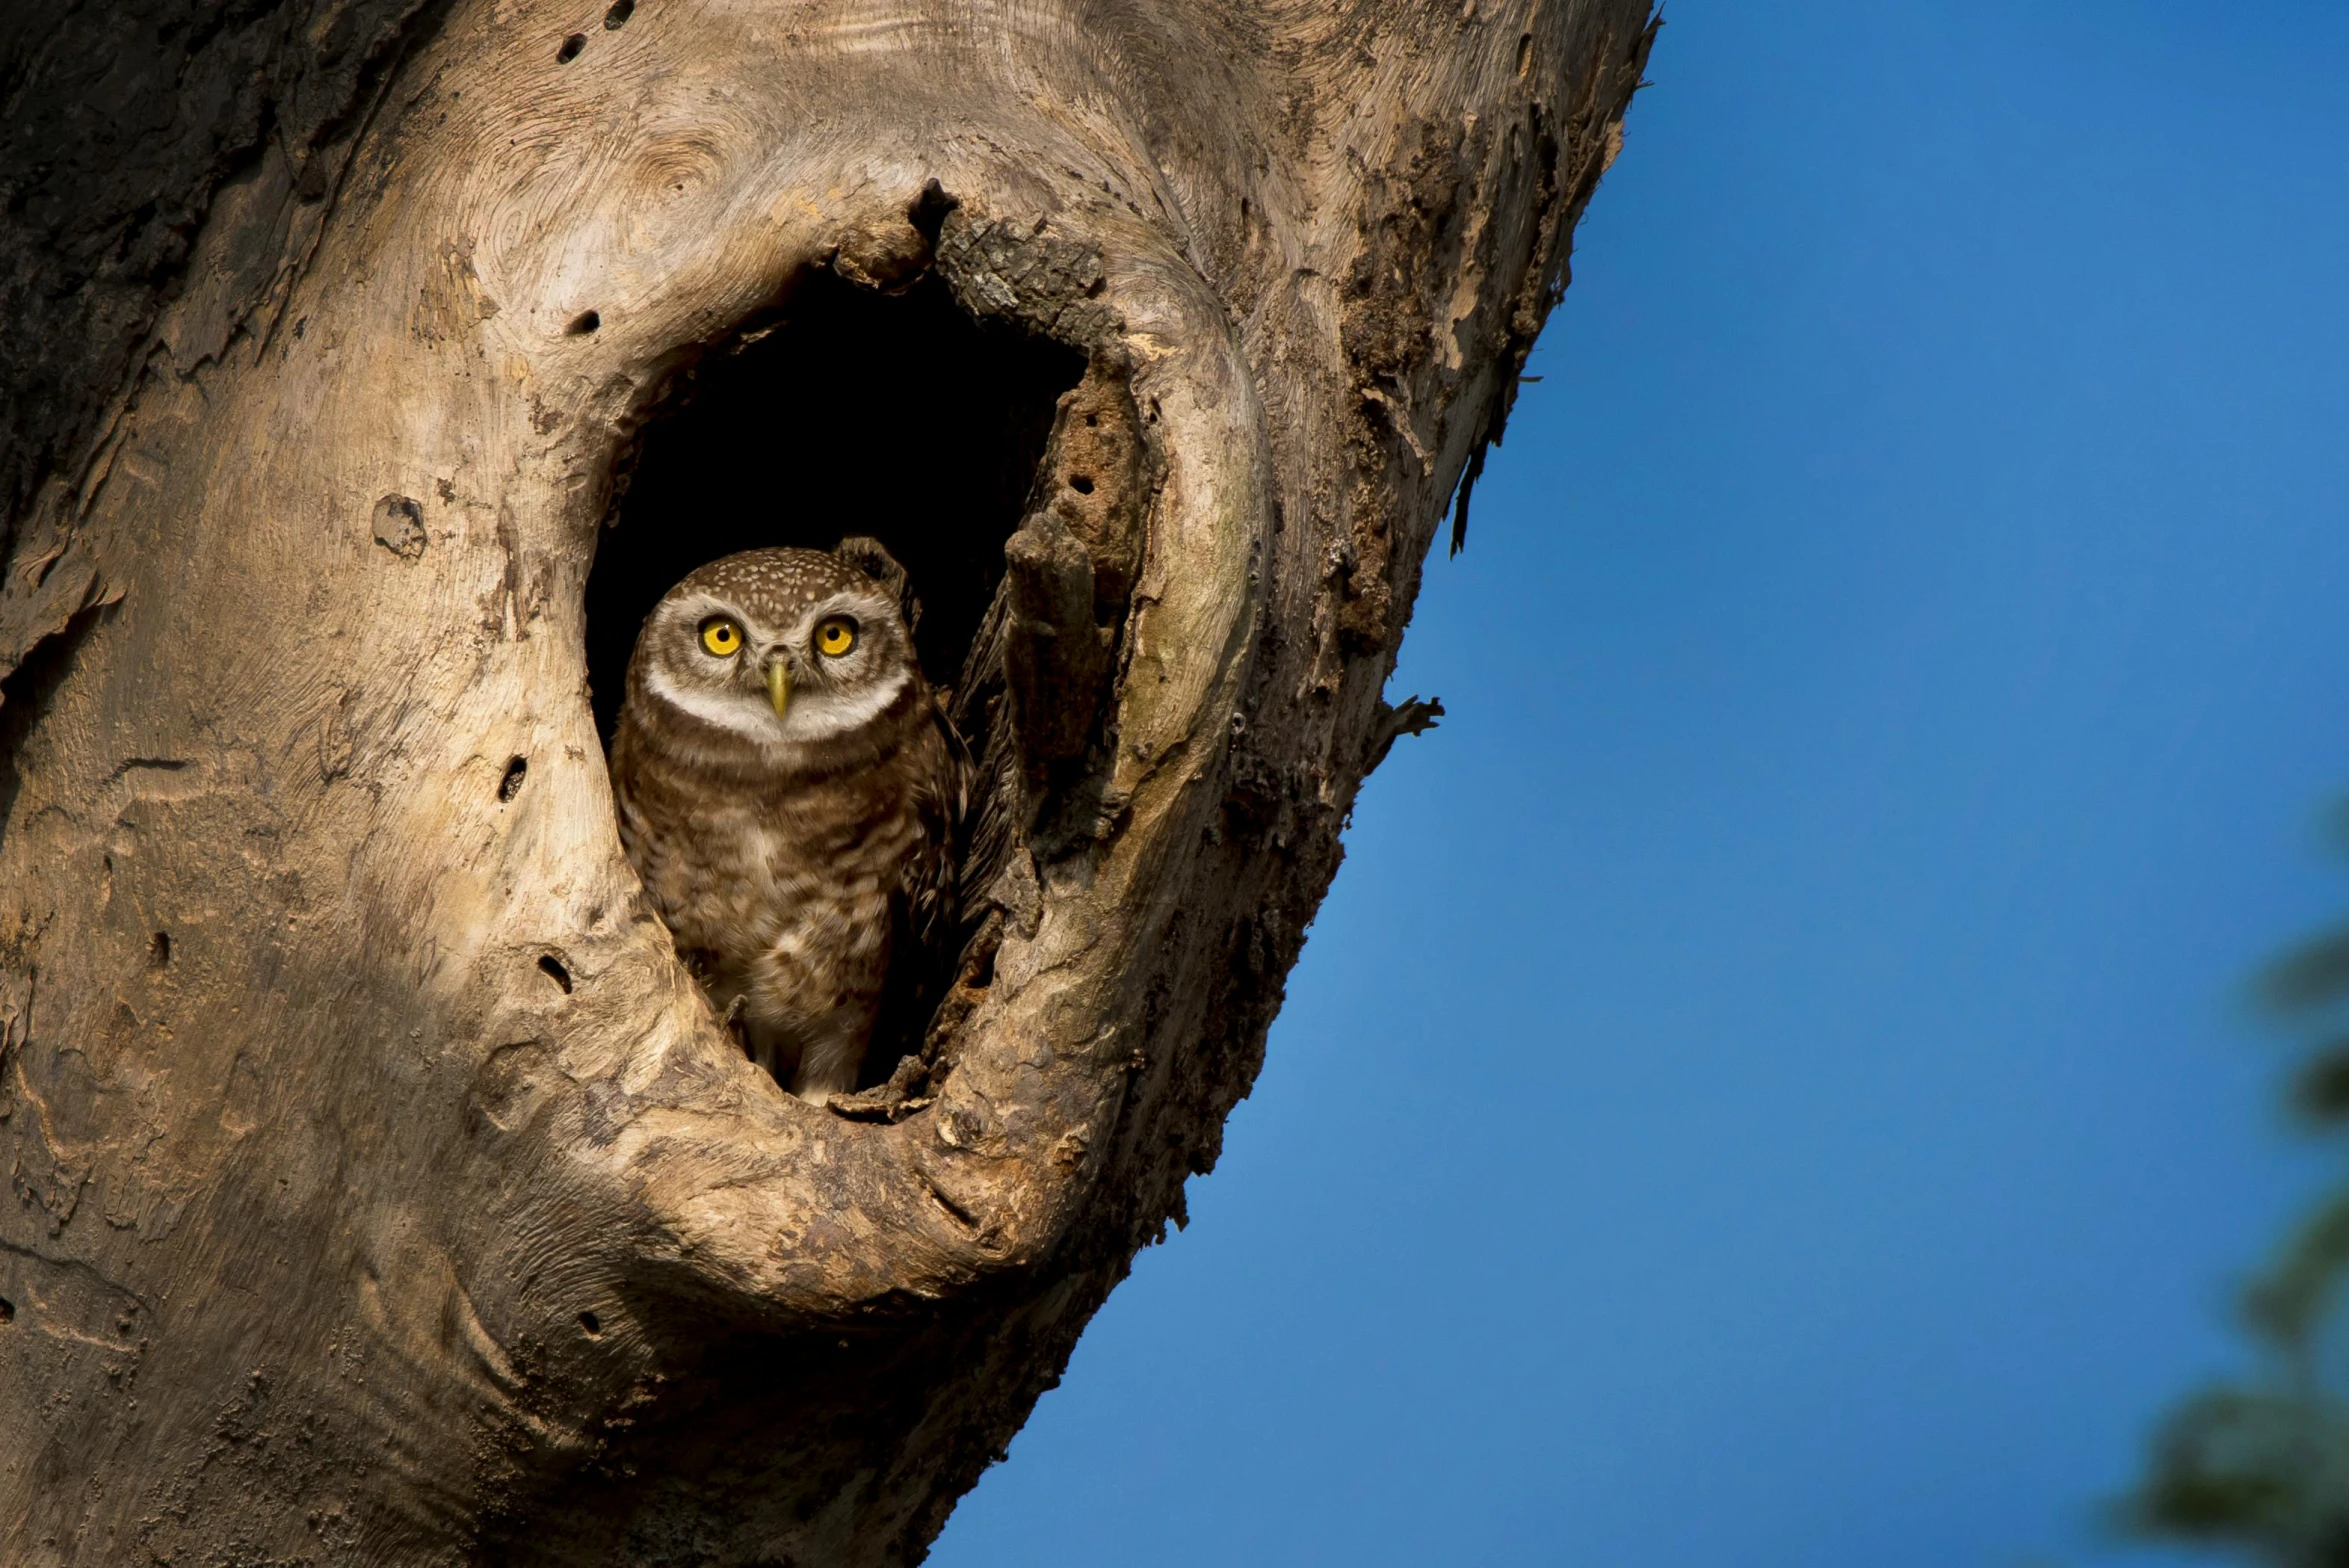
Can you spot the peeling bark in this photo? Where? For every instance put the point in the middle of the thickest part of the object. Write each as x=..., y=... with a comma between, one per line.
x=383, y=1189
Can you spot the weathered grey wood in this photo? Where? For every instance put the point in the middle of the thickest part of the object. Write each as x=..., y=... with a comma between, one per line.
x=383, y=1189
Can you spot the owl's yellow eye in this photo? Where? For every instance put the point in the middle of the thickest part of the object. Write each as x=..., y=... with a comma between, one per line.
x=836, y=636
x=720, y=637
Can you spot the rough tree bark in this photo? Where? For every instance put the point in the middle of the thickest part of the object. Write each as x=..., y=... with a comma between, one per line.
x=382, y=1189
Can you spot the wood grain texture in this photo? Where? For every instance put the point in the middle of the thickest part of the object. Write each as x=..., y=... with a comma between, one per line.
x=384, y=1191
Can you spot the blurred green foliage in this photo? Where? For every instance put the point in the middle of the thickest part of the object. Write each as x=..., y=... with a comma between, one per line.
x=2260, y=1469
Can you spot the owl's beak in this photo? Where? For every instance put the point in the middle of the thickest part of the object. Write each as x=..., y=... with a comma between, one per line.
x=779, y=684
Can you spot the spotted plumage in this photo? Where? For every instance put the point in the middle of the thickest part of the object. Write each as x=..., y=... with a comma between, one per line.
x=788, y=791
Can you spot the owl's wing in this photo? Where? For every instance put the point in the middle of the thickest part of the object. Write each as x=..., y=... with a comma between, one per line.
x=927, y=939
x=942, y=801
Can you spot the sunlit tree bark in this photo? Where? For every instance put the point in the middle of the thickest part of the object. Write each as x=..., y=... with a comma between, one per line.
x=383, y=1189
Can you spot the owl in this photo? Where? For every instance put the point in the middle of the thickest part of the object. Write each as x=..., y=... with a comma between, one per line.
x=789, y=790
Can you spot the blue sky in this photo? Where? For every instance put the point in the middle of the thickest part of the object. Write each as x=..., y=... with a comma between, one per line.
x=1773, y=1084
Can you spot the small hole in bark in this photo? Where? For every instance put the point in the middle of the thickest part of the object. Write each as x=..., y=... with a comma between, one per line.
x=554, y=970
x=593, y=1324
x=583, y=323
x=617, y=17
x=159, y=950
x=929, y=210
x=517, y=768
x=398, y=525
x=570, y=50
x=1082, y=484
x=7, y=1310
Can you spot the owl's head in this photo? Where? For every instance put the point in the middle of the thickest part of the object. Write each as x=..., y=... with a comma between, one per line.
x=786, y=651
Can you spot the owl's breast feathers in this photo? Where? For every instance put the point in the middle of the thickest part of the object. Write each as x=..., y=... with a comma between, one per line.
x=800, y=881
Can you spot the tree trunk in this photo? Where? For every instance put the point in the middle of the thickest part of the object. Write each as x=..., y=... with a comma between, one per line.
x=384, y=1189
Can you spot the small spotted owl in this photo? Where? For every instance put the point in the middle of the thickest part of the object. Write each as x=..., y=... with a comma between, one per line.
x=788, y=790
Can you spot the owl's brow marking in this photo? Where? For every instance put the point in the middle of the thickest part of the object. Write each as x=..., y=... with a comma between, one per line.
x=865, y=607
x=696, y=608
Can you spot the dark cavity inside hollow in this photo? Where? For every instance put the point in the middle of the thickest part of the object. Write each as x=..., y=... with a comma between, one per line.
x=894, y=416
